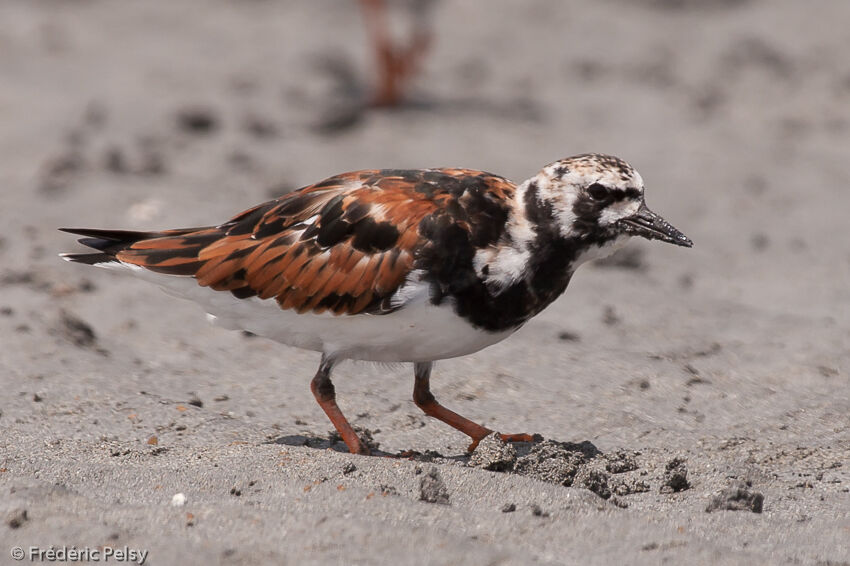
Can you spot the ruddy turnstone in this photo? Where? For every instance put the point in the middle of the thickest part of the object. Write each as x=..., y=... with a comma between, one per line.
x=396, y=265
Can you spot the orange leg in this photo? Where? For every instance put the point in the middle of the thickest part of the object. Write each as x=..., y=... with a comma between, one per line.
x=323, y=391
x=396, y=64
x=425, y=400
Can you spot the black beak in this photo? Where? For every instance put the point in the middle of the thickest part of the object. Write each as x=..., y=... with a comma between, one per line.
x=652, y=227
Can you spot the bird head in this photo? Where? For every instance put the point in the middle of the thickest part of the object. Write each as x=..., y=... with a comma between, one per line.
x=597, y=199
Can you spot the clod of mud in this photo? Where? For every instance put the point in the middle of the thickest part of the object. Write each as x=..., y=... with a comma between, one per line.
x=620, y=462
x=593, y=479
x=564, y=463
x=432, y=489
x=737, y=497
x=675, y=476
x=627, y=486
x=493, y=454
x=555, y=462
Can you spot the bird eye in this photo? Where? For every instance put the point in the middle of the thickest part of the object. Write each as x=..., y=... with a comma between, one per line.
x=597, y=191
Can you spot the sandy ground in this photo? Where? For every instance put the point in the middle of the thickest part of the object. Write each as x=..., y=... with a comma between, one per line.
x=675, y=374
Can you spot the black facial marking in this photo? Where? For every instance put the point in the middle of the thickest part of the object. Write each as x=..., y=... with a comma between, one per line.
x=587, y=212
x=621, y=194
x=600, y=192
x=448, y=254
x=540, y=213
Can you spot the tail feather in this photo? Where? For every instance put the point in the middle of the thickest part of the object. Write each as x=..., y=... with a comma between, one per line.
x=88, y=259
x=173, y=252
x=109, y=242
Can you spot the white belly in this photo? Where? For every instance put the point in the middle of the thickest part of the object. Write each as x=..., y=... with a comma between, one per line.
x=417, y=332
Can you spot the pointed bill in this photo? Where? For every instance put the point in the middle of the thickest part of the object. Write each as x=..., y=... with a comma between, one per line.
x=652, y=227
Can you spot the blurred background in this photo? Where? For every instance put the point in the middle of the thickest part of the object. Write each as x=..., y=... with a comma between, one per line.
x=152, y=115
x=162, y=114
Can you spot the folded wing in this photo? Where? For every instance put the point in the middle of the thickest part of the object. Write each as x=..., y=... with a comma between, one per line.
x=344, y=245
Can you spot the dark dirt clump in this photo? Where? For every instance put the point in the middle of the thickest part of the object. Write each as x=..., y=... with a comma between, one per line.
x=568, y=464
x=493, y=454
x=432, y=488
x=675, y=476
x=593, y=479
x=620, y=462
x=737, y=497
x=555, y=462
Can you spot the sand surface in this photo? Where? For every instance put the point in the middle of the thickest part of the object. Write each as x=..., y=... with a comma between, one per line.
x=671, y=374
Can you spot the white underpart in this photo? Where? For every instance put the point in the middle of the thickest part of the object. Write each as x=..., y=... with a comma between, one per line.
x=507, y=264
x=599, y=252
x=417, y=332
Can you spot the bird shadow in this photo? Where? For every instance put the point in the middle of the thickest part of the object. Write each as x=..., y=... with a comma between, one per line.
x=332, y=442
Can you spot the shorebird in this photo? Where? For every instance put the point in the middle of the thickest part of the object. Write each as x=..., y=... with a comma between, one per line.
x=396, y=265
